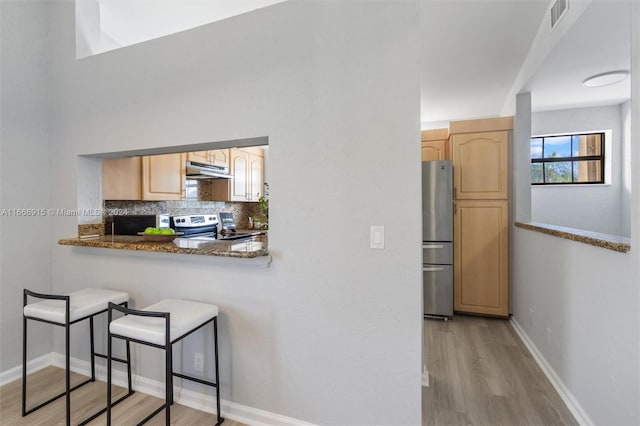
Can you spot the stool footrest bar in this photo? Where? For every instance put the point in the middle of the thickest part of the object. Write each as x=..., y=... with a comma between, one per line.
x=124, y=361
x=195, y=379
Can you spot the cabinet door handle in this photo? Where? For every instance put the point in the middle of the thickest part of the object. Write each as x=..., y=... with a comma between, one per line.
x=455, y=192
x=432, y=269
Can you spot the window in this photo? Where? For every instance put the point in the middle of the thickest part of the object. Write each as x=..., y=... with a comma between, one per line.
x=567, y=159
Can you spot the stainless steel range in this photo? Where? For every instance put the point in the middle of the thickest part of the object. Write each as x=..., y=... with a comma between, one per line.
x=207, y=227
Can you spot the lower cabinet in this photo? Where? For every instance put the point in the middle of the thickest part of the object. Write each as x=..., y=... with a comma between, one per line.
x=481, y=255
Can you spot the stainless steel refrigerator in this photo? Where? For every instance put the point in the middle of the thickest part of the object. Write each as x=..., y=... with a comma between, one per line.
x=437, y=238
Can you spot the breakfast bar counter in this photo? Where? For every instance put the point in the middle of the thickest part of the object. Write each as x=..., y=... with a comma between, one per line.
x=255, y=246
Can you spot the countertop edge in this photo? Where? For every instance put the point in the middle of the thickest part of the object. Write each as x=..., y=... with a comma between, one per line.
x=163, y=248
x=606, y=241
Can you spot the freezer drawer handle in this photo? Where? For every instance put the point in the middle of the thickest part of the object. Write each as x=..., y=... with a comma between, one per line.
x=433, y=269
x=432, y=246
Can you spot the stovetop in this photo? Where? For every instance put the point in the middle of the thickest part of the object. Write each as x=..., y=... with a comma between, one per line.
x=207, y=227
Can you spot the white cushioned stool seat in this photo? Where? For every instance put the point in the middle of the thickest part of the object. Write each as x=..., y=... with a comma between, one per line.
x=185, y=315
x=82, y=303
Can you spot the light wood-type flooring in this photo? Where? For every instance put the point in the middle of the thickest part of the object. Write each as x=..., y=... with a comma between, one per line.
x=85, y=401
x=480, y=373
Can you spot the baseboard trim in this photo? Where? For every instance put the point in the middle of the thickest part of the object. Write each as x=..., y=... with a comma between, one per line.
x=570, y=401
x=199, y=401
x=34, y=365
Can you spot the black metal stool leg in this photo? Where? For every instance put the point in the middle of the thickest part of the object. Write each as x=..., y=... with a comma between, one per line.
x=68, y=367
x=168, y=372
x=109, y=369
x=171, y=366
x=24, y=362
x=129, y=367
x=215, y=349
x=93, y=351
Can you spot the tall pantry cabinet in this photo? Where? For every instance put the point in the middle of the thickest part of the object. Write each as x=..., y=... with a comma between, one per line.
x=481, y=215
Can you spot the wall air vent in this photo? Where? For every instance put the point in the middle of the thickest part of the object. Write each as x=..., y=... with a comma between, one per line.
x=558, y=10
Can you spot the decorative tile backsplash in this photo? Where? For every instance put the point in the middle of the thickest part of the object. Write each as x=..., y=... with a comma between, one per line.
x=241, y=211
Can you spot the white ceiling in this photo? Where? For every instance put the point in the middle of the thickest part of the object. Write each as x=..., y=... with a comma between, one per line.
x=598, y=42
x=128, y=22
x=472, y=52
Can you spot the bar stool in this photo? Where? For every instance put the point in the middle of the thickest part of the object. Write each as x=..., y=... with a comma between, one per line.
x=64, y=311
x=160, y=326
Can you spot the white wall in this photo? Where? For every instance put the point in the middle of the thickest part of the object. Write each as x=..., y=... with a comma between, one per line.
x=331, y=332
x=596, y=208
x=25, y=253
x=588, y=297
x=625, y=188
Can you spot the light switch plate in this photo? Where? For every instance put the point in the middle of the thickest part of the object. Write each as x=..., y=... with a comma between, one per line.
x=376, y=237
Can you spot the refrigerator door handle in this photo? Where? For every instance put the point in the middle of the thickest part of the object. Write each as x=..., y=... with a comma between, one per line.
x=432, y=269
x=432, y=246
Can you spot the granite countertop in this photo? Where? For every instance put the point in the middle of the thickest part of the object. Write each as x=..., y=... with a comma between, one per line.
x=610, y=242
x=246, y=248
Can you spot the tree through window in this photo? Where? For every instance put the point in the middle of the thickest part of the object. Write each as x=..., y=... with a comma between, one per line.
x=567, y=159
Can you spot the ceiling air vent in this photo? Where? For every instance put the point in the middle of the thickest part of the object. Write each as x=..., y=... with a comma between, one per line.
x=558, y=10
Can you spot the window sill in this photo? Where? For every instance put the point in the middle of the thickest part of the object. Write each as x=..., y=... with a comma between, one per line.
x=610, y=242
x=584, y=185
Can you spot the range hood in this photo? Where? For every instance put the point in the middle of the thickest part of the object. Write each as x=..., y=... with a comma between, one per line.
x=197, y=170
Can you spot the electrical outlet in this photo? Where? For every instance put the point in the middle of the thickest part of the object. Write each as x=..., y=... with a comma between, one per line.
x=198, y=362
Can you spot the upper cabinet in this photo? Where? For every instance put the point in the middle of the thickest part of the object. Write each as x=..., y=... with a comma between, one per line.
x=247, y=168
x=199, y=156
x=218, y=157
x=122, y=178
x=435, y=145
x=480, y=165
x=163, y=177
x=152, y=177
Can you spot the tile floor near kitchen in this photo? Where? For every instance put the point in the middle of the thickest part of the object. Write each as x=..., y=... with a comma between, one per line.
x=480, y=373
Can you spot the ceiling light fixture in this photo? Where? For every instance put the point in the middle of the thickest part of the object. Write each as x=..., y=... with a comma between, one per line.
x=606, y=78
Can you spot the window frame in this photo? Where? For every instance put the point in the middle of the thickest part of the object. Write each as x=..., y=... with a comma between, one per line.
x=602, y=158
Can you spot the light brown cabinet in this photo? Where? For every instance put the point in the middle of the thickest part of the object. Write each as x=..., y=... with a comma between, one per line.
x=479, y=150
x=163, y=177
x=218, y=157
x=246, y=165
x=435, y=145
x=480, y=165
x=434, y=150
x=122, y=178
x=153, y=177
x=481, y=275
x=198, y=156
